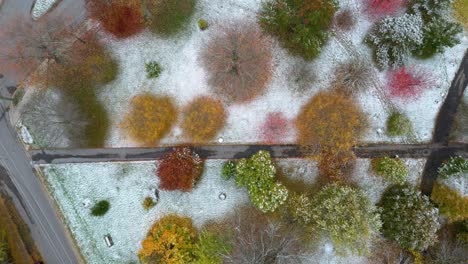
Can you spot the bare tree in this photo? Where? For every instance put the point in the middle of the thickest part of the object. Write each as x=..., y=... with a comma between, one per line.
x=258, y=240
x=54, y=121
x=25, y=44
x=70, y=55
x=388, y=252
x=238, y=60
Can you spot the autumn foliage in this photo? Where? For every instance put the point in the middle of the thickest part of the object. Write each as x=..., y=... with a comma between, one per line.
x=171, y=240
x=407, y=82
x=275, y=127
x=238, y=61
x=381, y=8
x=179, y=170
x=331, y=125
x=150, y=118
x=122, y=18
x=330, y=122
x=203, y=118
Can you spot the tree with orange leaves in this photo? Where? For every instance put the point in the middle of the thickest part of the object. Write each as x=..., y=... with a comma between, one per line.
x=203, y=118
x=179, y=170
x=171, y=240
x=331, y=125
x=150, y=118
x=122, y=18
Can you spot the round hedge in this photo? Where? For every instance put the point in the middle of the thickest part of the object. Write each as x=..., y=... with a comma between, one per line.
x=398, y=124
x=203, y=118
x=393, y=170
x=100, y=208
x=409, y=218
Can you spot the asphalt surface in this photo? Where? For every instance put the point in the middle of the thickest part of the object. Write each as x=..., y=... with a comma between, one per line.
x=443, y=126
x=16, y=173
x=46, y=226
x=58, y=156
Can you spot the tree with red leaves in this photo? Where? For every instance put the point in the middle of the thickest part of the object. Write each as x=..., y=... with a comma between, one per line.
x=122, y=18
x=408, y=82
x=275, y=127
x=179, y=170
x=381, y=8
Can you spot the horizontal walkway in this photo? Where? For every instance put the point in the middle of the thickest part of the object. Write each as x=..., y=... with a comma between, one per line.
x=58, y=156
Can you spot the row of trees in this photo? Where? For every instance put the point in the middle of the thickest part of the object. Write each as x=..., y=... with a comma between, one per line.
x=282, y=223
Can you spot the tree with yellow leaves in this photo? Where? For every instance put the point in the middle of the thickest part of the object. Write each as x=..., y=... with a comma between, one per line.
x=150, y=118
x=171, y=240
x=203, y=118
x=331, y=125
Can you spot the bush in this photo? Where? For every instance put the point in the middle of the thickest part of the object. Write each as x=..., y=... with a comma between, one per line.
x=392, y=170
x=229, y=170
x=150, y=118
x=460, y=8
x=382, y=8
x=408, y=82
x=170, y=240
x=409, y=218
x=398, y=124
x=238, y=61
x=344, y=20
x=275, y=128
x=429, y=9
x=153, y=70
x=300, y=26
x=100, y=208
x=148, y=203
x=167, y=17
x=301, y=77
x=202, y=24
x=203, y=118
x=451, y=203
x=347, y=215
x=258, y=175
x=394, y=38
x=353, y=76
x=18, y=96
x=330, y=122
x=179, y=170
x=121, y=18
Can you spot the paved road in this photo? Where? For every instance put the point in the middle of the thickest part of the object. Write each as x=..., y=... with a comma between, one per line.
x=443, y=126
x=233, y=152
x=46, y=227
x=16, y=174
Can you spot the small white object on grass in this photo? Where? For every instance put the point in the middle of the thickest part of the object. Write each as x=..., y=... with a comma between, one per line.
x=25, y=136
x=220, y=140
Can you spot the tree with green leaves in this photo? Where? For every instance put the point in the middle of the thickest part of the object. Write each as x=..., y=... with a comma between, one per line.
x=392, y=170
x=257, y=174
x=347, y=216
x=301, y=26
x=409, y=218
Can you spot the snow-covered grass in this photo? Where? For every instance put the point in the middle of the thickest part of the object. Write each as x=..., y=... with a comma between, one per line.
x=184, y=78
x=76, y=187
x=41, y=7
